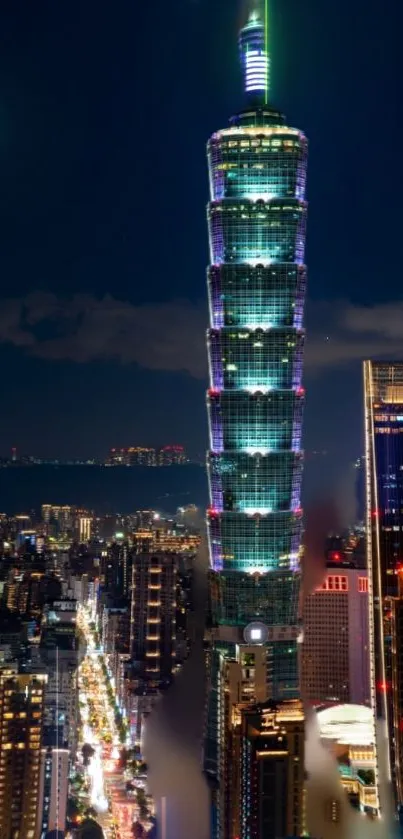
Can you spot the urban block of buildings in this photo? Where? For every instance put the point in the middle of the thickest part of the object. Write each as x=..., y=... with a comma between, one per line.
x=88, y=605
x=146, y=456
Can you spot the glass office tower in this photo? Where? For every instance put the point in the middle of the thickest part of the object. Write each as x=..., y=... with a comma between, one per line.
x=383, y=386
x=256, y=284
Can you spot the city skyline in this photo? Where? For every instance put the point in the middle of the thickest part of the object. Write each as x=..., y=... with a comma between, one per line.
x=105, y=243
x=213, y=651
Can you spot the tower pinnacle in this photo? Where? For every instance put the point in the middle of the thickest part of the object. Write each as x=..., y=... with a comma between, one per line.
x=254, y=49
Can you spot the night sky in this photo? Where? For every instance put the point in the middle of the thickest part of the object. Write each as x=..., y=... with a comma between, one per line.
x=105, y=109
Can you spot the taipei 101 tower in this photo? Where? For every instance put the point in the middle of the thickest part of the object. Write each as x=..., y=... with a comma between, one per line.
x=256, y=285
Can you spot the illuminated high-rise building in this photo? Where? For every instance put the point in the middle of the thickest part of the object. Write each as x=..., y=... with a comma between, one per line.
x=241, y=682
x=272, y=770
x=21, y=722
x=53, y=792
x=116, y=568
x=60, y=654
x=153, y=616
x=84, y=526
x=335, y=652
x=256, y=283
x=383, y=385
x=152, y=633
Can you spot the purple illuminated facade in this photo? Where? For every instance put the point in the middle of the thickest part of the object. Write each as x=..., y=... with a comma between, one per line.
x=256, y=283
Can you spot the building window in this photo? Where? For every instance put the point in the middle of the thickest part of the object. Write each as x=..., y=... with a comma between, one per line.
x=332, y=811
x=335, y=582
x=363, y=585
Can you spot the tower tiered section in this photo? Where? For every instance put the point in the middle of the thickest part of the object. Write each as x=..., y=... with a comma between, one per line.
x=256, y=282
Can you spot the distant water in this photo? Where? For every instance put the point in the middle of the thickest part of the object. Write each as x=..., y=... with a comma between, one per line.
x=103, y=489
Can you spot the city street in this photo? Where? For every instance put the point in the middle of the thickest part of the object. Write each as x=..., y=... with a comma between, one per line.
x=116, y=807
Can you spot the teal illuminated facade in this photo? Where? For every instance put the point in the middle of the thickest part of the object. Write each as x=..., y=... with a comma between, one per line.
x=256, y=285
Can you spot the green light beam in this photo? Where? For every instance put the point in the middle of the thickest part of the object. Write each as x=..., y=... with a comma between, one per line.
x=266, y=38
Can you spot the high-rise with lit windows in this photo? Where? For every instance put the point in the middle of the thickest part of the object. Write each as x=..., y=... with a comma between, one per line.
x=152, y=632
x=21, y=721
x=383, y=386
x=335, y=652
x=256, y=285
x=256, y=281
x=153, y=616
x=272, y=770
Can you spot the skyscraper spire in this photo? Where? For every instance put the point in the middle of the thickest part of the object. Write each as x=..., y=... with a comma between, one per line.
x=254, y=49
x=256, y=283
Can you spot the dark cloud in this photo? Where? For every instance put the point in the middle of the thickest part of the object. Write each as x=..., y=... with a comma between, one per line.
x=160, y=336
x=170, y=335
x=351, y=333
x=12, y=330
